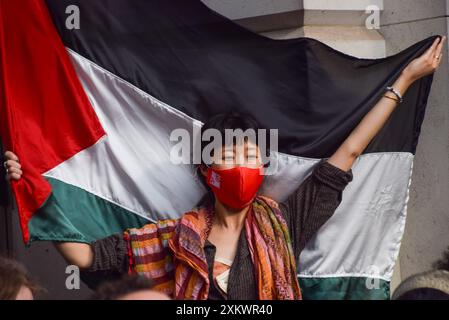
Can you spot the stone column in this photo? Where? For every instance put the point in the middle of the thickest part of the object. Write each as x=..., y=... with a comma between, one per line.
x=404, y=22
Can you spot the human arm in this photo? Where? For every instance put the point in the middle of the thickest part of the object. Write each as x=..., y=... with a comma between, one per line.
x=103, y=260
x=317, y=198
x=308, y=208
x=375, y=119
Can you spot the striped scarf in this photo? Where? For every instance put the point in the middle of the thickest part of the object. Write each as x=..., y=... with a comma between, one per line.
x=171, y=253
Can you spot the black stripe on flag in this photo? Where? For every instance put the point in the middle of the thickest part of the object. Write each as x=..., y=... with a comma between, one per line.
x=201, y=63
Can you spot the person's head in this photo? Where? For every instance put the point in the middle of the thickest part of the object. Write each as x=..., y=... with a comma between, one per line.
x=430, y=285
x=233, y=158
x=15, y=283
x=128, y=287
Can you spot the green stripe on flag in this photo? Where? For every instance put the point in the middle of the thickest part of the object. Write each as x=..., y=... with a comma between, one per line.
x=73, y=214
x=344, y=288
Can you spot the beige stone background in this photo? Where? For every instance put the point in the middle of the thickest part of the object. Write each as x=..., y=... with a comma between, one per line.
x=340, y=24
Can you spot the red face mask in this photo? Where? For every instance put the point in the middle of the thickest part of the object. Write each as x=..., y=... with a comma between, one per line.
x=236, y=187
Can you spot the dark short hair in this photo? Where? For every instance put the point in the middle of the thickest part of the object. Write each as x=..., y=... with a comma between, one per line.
x=112, y=290
x=13, y=276
x=229, y=120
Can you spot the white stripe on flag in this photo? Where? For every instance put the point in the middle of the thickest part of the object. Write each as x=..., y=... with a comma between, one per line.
x=364, y=235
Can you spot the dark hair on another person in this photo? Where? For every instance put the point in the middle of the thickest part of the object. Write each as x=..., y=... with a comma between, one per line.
x=14, y=276
x=430, y=285
x=424, y=294
x=115, y=289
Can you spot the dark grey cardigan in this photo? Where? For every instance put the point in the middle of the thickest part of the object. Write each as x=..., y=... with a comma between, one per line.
x=305, y=211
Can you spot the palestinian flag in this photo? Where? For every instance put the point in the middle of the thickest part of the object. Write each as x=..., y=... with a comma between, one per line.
x=89, y=111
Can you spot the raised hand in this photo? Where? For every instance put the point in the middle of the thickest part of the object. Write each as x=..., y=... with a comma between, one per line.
x=426, y=64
